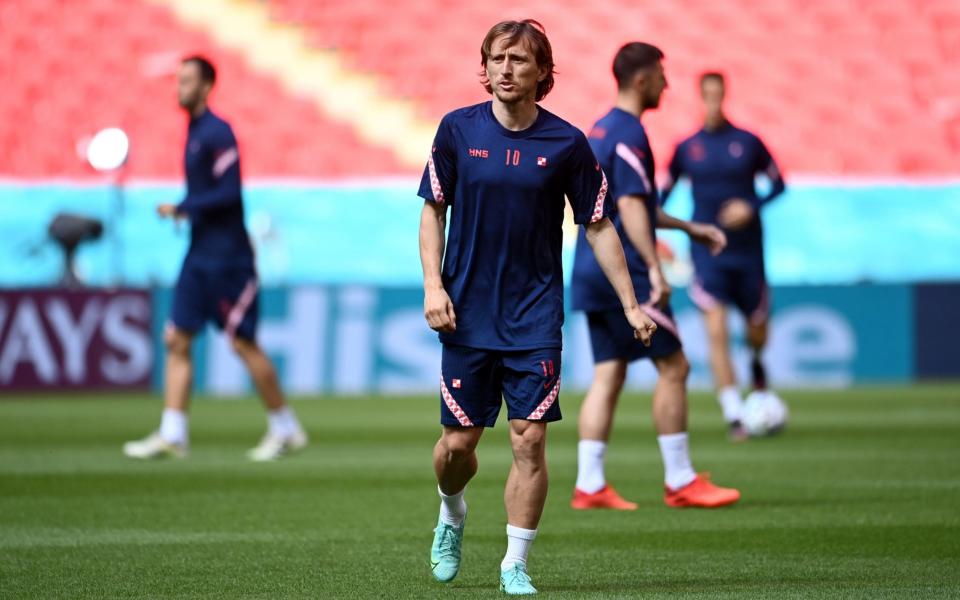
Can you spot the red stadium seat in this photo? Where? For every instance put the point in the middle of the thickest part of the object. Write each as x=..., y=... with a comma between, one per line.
x=827, y=83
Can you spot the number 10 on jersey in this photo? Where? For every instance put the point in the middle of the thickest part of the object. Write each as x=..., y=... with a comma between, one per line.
x=513, y=157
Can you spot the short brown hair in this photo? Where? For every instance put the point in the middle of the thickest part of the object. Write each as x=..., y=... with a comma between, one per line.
x=716, y=75
x=634, y=57
x=534, y=34
x=208, y=74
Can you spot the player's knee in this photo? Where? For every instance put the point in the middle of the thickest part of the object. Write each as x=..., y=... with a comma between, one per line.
x=529, y=444
x=757, y=335
x=612, y=376
x=715, y=321
x=177, y=342
x=242, y=346
x=608, y=380
x=676, y=368
x=459, y=446
x=717, y=335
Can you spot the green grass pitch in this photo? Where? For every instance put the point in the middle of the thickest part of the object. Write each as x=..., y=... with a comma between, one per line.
x=859, y=499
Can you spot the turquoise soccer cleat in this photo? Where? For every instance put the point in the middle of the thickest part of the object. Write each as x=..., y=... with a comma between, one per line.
x=445, y=553
x=515, y=581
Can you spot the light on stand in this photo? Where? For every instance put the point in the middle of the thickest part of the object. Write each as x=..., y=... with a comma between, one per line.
x=107, y=152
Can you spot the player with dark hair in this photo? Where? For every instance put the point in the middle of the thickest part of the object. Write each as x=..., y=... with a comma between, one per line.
x=722, y=161
x=218, y=281
x=494, y=288
x=621, y=145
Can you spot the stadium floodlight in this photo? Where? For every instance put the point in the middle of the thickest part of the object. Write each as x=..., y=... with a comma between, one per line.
x=108, y=149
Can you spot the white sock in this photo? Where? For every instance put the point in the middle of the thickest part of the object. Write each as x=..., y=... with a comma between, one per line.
x=519, y=541
x=453, y=508
x=291, y=420
x=677, y=470
x=173, y=426
x=590, y=455
x=283, y=422
x=731, y=402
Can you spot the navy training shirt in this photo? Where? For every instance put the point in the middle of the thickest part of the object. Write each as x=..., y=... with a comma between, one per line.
x=218, y=237
x=721, y=165
x=620, y=143
x=502, y=266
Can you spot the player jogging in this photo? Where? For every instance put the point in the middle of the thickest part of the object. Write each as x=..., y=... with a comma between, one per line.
x=620, y=143
x=217, y=282
x=503, y=168
x=721, y=161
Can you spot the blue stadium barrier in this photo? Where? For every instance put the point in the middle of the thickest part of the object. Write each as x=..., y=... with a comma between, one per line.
x=366, y=233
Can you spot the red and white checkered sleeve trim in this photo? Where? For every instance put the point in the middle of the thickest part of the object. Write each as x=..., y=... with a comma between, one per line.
x=434, y=180
x=601, y=197
x=455, y=409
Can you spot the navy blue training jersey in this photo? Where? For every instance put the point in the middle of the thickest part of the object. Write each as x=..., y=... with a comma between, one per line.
x=218, y=237
x=721, y=165
x=620, y=144
x=502, y=267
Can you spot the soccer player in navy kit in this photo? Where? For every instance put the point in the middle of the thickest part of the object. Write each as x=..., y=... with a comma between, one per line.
x=218, y=281
x=722, y=161
x=620, y=143
x=503, y=168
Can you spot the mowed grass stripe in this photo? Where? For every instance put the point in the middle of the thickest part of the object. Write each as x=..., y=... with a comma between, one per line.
x=858, y=500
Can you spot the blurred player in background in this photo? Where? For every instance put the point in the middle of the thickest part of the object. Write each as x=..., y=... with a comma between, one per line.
x=218, y=281
x=503, y=168
x=722, y=162
x=620, y=143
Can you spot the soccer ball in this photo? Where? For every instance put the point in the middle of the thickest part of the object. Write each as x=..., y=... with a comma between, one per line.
x=764, y=413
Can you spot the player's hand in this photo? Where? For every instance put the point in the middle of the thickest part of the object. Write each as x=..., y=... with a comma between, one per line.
x=438, y=310
x=167, y=210
x=659, y=288
x=735, y=213
x=643, y=325
x=710, y=236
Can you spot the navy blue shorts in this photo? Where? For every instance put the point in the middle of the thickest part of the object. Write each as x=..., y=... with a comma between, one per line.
x=474, y=383
x=226, y=297
x=744, y=287
x=611, y=336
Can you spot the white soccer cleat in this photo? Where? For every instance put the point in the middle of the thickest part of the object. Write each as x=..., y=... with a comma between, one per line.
x=154, y=446
x=272, y=446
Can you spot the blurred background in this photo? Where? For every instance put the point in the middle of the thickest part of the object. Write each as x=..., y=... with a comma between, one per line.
x=335, y=104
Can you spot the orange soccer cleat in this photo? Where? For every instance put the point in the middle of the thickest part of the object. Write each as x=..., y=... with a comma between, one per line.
x=605, y=497
x=701, y=493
